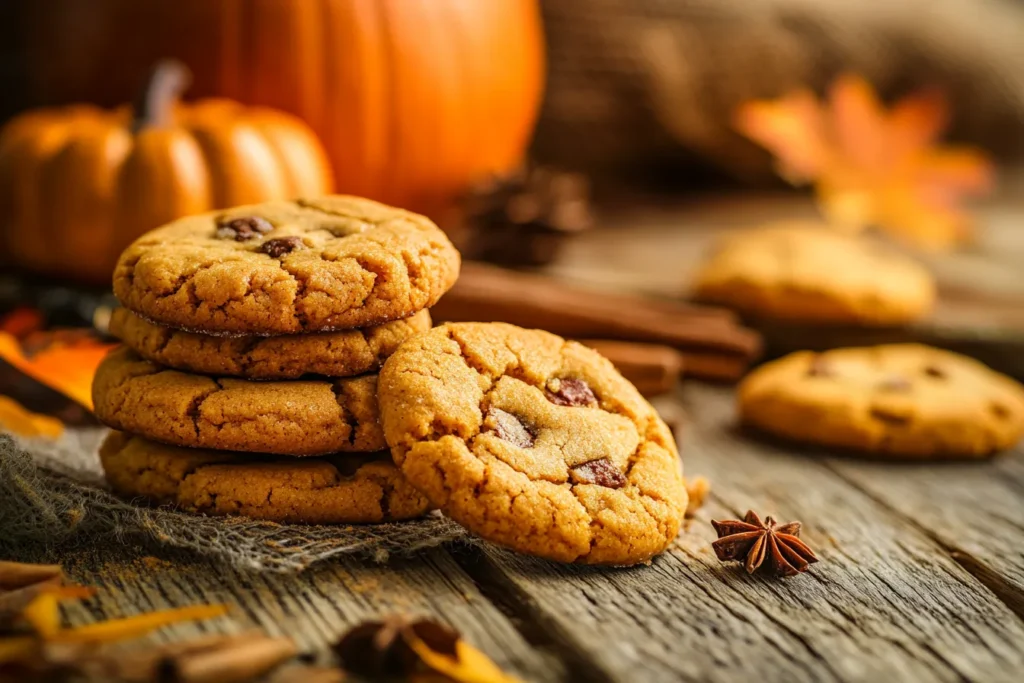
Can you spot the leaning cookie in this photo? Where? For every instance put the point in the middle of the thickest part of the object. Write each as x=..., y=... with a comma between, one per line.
x=813, y=274
x=312, y=265
x=532, y=442
x=291, y=356
x=901, y=400
x=303, y=417
x=339, y=489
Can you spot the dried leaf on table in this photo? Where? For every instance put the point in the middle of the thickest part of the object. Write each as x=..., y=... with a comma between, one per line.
x=35, y=640
x=871, y=166
x=16, y=419
x=64, y=362
x=461, y=662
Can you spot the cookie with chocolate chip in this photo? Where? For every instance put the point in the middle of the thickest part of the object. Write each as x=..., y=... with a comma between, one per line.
x=310, y=265
x=333, y=489
x=288, y=356
x=532, y=442
x=900, y=400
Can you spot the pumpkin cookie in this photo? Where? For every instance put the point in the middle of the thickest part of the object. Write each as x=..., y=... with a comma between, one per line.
x=532, y=442
x=312, y=265
x=332, y=354
x=335, y=489
x=814, y=274
x=899, y=400
x=287, y=418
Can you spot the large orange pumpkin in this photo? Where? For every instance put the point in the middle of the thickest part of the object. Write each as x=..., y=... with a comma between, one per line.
x=78, y=184
x=413, y=99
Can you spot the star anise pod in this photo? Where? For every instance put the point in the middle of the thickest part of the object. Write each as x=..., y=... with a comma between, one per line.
x=381, y=648
x=777, y=547
x=522, y=218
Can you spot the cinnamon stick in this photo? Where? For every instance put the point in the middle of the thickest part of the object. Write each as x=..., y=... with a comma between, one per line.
x=241, y=659
x=715, y=366
x=652, y=368
x=489, y=293
x=20, y=574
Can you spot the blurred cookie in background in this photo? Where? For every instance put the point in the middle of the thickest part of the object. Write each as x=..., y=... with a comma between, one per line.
x=810, y=273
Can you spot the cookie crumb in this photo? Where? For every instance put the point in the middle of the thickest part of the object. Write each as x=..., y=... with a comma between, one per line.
x=697, y=491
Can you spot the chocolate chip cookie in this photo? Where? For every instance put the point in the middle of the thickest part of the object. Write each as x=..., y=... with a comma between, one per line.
x=288, y=418
x=311, y=265
x=897, y=400
x=333, y=489
x=532, y=442
x=810, y=273
x=290, y=356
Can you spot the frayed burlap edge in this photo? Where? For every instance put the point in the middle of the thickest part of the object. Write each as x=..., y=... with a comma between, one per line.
x=52, y=493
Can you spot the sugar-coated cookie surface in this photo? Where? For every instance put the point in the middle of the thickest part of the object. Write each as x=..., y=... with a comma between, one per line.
x=291, y=356
x=302, y=417
x=811, y=273
x=281, y=267
x=336, y=489
x=899, y=400
x=533, y=442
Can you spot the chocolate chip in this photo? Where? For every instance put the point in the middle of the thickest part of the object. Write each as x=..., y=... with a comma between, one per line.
x=895, y=383
x=999, y=410
x=820, y=367
x=243, y=229
x=570, y=392
x=601, y=472
x=281, y=245
x=510, y=428
x=935, y=371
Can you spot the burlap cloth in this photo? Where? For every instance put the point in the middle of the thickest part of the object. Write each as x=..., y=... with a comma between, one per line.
x=52, y=493
x=634, y=83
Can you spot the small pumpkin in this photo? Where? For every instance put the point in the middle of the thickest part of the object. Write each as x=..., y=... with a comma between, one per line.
x=414, y=100
x=78, y=184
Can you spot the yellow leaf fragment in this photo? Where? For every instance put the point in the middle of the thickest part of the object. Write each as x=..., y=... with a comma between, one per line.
x=138, y=625
x=469, y=665
x=17, y=420
x=67, y=367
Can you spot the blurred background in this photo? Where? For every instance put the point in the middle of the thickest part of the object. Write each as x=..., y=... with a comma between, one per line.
x=606, y=141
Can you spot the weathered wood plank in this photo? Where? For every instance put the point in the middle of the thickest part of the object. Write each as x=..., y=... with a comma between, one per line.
x=885, y=603
x=974, y=509
x=314, y=608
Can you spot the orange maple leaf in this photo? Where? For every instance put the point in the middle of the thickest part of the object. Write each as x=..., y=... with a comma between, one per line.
x=870, y=166
x=67, y=365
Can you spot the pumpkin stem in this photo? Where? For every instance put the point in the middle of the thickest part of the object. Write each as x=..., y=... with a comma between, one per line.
x=155, y=104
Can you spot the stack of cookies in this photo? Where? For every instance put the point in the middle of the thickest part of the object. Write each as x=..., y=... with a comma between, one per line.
x=251, y=337
x=245, y=386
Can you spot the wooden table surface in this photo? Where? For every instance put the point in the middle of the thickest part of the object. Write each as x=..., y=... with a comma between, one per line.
x=922, y=565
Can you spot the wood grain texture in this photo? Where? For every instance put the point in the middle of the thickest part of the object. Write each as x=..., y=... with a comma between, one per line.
x=974, y=510
x=313, y=608
x=886, y=602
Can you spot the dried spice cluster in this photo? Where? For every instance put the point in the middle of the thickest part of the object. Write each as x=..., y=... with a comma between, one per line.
x=769, y=546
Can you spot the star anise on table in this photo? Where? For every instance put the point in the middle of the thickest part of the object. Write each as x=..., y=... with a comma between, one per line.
x=767, y=545
x=381, y=648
